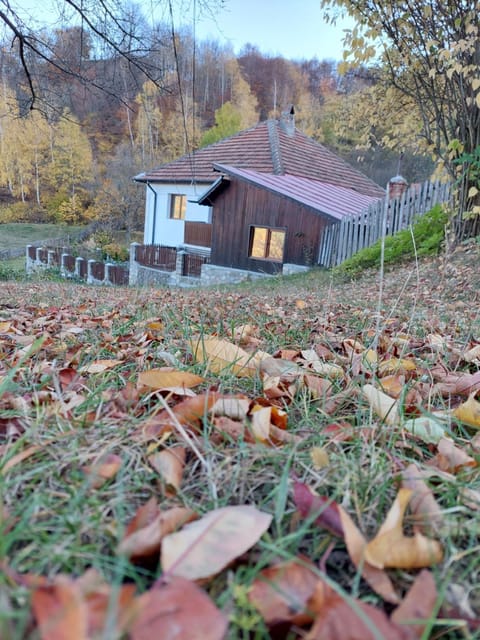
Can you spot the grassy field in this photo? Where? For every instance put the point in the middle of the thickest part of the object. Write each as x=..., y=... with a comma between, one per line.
x=83, y=433
x=17, y=235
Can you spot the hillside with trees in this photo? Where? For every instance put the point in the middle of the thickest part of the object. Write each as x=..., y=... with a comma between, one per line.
x=84, y=109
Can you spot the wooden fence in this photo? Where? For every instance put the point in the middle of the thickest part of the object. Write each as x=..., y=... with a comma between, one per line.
x=156, y=256
x=343, y=239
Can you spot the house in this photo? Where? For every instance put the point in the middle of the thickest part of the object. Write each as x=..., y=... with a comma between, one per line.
x=259, y=199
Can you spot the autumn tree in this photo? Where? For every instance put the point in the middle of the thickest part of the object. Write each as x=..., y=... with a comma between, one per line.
x=227, y=122
x=430, y=53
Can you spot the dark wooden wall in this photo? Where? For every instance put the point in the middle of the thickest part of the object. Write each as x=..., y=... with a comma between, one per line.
x=242, y=205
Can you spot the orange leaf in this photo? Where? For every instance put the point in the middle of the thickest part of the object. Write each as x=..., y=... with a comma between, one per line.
x=60, y=611
x=203, y=548
x=391, y=548
x=396, y=366
x=177, y=609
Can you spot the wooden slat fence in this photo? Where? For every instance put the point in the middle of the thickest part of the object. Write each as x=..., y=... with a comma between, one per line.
x=118, y=274
x=198, y=233
x=192, y=264
x=156, y=256
x=343, y=239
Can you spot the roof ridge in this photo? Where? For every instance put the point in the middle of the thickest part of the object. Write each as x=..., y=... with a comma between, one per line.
x=275, y=147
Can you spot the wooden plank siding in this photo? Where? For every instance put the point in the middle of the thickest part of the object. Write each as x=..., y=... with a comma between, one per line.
x=198, y=233
x=244, y=206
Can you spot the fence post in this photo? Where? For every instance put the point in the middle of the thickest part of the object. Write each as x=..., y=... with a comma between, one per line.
x=90, y=278
x=133, y=271
x=38, y=257
x=79, y=262
x=50, y=258
x=29, y=263
x=63, y=267
x=180, y=262
x=107, y=279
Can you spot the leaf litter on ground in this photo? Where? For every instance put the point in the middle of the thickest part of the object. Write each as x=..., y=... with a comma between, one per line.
x=265, y=463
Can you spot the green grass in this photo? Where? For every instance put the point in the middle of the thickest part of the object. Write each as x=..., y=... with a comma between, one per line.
x=424, y=238
x=17, y=235
x=63, y=525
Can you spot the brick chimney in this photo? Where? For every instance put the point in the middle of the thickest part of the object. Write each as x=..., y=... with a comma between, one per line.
x=287, y=121
x=397, y=187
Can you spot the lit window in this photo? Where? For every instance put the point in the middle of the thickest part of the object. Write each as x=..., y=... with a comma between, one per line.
x=178, y=206
x=267, y=244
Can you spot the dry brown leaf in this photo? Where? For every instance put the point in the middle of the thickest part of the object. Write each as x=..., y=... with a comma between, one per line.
x=332, y=517
x=99, y=366
x=233, y=407
x=145, y=533
x=384, y=406
x=397, y=366
x=103, y=470
x=469, y=412
x=284, y=592
x=170, y=463
x=339, y=620
x=176, y=609
x=166, y=378
x=318, y=387
x=60, y=611
x=418, y=604
x=391, y=548
x=451, y=458
x=222, y=356
x=203, y=548
x=427, y=514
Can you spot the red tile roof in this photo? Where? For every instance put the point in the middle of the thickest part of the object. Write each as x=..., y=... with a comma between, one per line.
x=265, y=148
x=323, y=197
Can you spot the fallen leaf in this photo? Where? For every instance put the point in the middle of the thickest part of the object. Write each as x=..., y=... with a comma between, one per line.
x=170, y=463
x=340, y=620
x=103, y=470
x=176, y=609
x=451, y=458
x=221, y=356
x=384, y=406
x=203, y=548
x=427, y=428
x=396, y=366
x=417, y=605
x=235, y=408
x=60, y=611
x=332, y=517
x=168, y=378
x=391, y=548
x=426, y=512
x=144, y=540
x=283, y=592
x=469, y=412
x=319, y=457
x=99, y=366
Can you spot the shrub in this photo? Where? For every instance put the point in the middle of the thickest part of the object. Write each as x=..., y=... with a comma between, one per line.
x=428, y=234
x=116, y=252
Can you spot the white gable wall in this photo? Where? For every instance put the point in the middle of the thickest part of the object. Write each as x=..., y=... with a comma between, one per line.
x=159, y=227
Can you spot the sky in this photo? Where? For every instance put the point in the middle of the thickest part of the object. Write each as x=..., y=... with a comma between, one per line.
x=294, y=29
